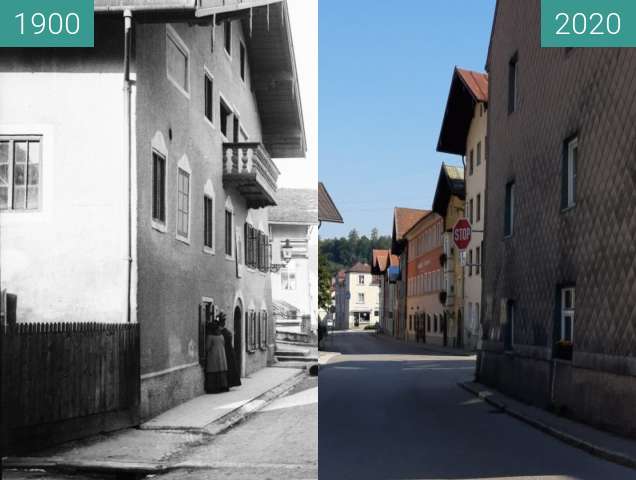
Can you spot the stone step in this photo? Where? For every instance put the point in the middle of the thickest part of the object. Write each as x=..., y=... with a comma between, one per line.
x=297, y=359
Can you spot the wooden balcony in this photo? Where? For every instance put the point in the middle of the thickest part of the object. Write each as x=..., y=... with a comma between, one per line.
x=249, y=168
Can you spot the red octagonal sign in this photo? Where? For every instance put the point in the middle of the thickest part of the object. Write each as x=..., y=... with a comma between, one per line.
x=462, y=233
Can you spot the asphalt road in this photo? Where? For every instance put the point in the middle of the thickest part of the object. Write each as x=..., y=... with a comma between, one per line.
x=279, y=442
x=391, y=411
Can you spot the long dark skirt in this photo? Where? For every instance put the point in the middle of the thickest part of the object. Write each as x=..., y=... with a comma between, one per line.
x=233, y=374
x=216, y=382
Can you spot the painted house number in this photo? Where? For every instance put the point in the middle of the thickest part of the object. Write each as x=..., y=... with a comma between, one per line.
x=55, y=23
x=594, y=24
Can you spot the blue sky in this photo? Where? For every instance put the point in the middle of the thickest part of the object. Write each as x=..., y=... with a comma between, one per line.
x=384, y=76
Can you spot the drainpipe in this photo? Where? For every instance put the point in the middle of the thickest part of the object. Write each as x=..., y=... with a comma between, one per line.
x=128, y=135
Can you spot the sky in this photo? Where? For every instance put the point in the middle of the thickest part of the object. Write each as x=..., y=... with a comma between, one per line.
x=384, y=78
x=303, y=19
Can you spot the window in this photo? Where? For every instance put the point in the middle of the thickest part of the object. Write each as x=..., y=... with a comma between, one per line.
x=510, y=209
x=250, y=321
x=470, y=263
x=360, y=297
x=568, y=173
x=513, y=84
x=20, y=173
x=228, y=37
x=158, y=187
x=225, y=114
x=471, y=205
x=478, y=207
x=208, y=222
x=228, y=232
x=428, y=323
x=263, y=329
x=486, y=148
x=435, y=324
x=177, y=60
x=566, y=330
x=183, y=204
x=479, y=153
x=288, y=279
x=360, y=279
x=471, y=164
x=209, y=97
x=509, y=331
x=478, y=261
x=243, y=61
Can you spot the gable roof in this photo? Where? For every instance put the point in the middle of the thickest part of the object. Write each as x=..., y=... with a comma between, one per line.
x=450, y=182
x=295, y=206
x=327, y=210
x=403, y=220
x=360, y=268
x=467, y=89
x=379, y=260
x=270, y=51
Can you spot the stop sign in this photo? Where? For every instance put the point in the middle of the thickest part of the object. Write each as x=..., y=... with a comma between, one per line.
x=462, y=233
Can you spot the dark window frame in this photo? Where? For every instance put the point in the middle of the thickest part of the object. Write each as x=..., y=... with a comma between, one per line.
x=158, y=188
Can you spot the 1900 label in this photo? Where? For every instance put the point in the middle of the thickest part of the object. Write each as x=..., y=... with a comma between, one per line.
x=46, y=23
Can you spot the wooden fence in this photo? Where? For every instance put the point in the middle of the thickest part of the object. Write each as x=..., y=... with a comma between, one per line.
x=62, y=381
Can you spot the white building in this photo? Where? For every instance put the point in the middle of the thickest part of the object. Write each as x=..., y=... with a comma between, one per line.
x=357, y=298
x=295, y=285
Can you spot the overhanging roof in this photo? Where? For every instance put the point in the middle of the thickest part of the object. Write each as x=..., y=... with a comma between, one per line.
x=270, y=54
x=327, y=210
x=467, y=89
x=450, y=182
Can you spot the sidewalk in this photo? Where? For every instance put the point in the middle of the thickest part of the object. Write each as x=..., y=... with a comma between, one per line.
x=599, y=443
x=158, y=444
x=439, y=349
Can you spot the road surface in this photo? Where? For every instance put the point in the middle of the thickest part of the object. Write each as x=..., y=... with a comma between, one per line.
x=392, y=411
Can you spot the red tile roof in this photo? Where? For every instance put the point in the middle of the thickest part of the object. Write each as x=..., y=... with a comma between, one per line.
x=380, y=258
x=405, y=218
x=476, y=82
x=360, y=268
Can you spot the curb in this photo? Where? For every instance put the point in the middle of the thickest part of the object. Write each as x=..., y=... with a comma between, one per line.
x=605, y=454
x=140, y=469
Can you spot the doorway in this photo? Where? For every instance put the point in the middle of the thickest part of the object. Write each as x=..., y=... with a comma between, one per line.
x=238, y=337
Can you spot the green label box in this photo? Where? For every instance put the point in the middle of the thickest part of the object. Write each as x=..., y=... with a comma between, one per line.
x=588, y=23
x=47, y=23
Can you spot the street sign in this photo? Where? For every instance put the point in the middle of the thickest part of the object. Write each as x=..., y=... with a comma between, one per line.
x=462, y=233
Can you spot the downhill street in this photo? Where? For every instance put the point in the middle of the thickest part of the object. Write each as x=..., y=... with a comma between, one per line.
x=393, y=411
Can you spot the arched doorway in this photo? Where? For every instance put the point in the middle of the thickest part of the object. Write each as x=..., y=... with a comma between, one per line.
x=238, y=337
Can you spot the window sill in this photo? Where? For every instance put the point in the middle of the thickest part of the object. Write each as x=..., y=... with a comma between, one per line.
x=209, y=123
x=508, y=237
x=179, y=87
x=568, y=209
x=160, y=227
x=209, y=251
x=229, y=258
x=181, y=239
x=227, y=54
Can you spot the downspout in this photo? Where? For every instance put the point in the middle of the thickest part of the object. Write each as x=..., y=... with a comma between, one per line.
x=128, y=139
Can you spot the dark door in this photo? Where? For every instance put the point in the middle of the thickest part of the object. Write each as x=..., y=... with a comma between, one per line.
x=238, y=337
x=445, y=328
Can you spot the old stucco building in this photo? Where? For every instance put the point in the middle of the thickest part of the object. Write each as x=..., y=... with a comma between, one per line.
x=425, y=278
x=143, y=209
x=464, y=133
x=359, y=297
x=448, y=203
x=559, y=300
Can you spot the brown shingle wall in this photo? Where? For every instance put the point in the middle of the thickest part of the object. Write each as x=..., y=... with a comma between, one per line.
x=592, y=92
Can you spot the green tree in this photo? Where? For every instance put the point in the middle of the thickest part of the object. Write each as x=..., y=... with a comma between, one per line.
x=324, y=283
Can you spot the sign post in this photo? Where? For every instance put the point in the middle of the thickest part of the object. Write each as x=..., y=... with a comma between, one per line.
x=462, y=233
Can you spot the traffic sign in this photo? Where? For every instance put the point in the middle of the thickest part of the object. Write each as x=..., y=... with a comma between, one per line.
x=462, y=233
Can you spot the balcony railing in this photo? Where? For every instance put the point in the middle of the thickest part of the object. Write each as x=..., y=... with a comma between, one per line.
x=249, y=168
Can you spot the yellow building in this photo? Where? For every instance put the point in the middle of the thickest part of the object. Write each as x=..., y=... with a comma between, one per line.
x=449, y=201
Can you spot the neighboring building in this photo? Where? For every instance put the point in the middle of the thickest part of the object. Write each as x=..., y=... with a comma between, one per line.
x=360, y=298
x=559, y=283
x=295, y=219
x=425, y=278
x=403, y=221
x=383, y=265
x=449, y=204
x=327, y=210
x=209, y=106
x=464, y=133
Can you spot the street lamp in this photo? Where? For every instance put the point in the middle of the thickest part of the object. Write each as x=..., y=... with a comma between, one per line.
x=286, y=255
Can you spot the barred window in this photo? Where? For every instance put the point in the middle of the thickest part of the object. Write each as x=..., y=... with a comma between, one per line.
x=264, y=326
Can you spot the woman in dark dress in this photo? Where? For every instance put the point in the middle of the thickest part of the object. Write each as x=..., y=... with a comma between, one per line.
x=215, y=362
x=233, y=373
